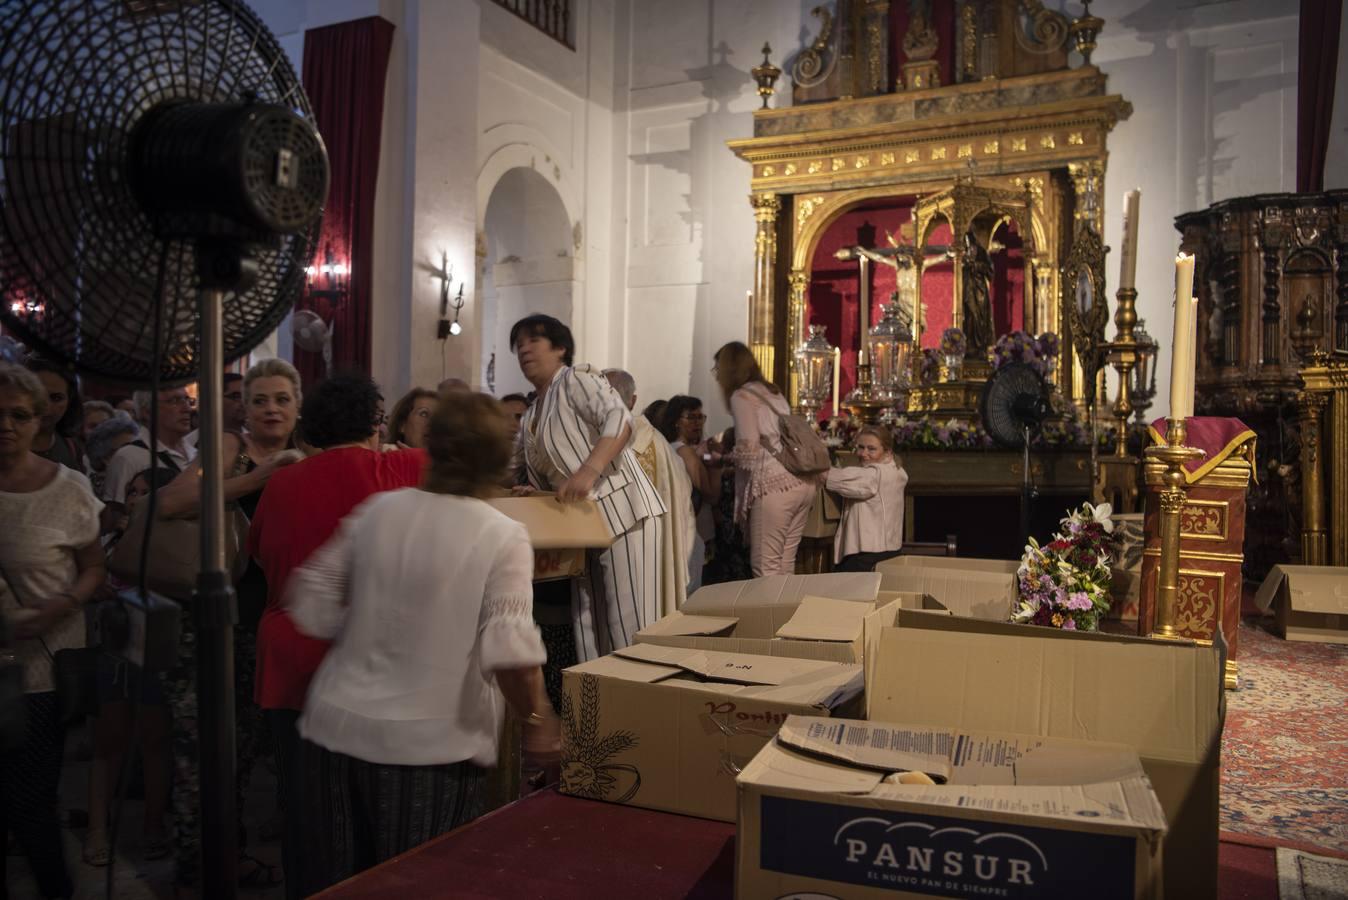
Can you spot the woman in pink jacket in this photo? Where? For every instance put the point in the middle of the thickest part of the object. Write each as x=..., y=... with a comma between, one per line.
x=774, y=501
x=871, y=529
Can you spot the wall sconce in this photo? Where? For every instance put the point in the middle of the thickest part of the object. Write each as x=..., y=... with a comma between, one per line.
x=445, y=328
x=33, y=310
x=330, y=280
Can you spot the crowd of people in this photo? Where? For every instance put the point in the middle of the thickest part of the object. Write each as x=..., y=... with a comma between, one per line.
x=387, y=615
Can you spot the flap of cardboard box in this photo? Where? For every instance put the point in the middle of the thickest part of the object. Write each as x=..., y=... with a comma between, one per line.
x=763, y=605
x=736, y=668
x=866, y=745
x=553, y=525
x=825, y=619
x=1322, y=589
x=1161, y=697
x=957, y=563
x=985, y=590
x=614, y=666
x=679, y=624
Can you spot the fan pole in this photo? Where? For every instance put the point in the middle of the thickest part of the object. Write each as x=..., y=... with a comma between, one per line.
x=213, y=606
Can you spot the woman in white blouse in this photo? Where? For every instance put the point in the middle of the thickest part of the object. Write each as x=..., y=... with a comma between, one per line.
x=774, y=501
x=427, y=594
x=871, y=529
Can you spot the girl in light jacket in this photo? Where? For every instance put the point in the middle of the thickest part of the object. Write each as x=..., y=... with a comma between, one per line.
x=774, y=501
x=871, y=529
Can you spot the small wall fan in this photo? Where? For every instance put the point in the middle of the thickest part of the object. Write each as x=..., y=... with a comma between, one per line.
x=312, y=335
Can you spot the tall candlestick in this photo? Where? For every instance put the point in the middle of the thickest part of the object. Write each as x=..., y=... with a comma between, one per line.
x=837, y=377
x=864, y=306
x=749, y=316
x=1128, y=263
x=1182, y=342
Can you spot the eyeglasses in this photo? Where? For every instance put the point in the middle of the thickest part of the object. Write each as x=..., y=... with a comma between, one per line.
x=18, y=416
x=178, y=400
x=694, y=417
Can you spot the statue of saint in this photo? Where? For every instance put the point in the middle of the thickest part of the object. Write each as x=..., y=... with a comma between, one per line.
x=976, y=304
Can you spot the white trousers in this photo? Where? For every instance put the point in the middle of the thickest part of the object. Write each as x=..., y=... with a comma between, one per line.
x=620, y=594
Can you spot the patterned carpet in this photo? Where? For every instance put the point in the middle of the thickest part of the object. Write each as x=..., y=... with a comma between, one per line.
x=1285, y=748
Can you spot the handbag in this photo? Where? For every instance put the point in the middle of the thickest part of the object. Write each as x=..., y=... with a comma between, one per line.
x=175, y=550
x=799, y=449
x=74, y=673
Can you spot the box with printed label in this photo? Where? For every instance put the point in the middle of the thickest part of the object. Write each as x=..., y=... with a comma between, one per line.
x=1311, y=602
x=840, y=808
x=1164, y=698
x=668, y=728
x=979, y=588
x=771, y=617
x=560, y=533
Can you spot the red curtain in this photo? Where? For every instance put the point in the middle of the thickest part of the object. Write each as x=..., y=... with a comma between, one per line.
x=1316, y=69
x=344, y=69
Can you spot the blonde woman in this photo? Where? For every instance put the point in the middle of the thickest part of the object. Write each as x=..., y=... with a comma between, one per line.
x=871, y=529
x=772, y=500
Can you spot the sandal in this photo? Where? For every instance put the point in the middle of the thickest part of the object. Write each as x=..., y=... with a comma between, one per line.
x=156, y=847
x=96, y=852
x=259, y=878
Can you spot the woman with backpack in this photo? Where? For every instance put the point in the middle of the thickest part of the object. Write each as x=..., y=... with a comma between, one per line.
x=768, y=496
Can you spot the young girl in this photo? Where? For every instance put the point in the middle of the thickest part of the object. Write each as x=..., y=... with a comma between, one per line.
x=871, y=529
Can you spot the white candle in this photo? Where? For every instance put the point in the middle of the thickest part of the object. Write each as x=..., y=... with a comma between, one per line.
x=1193, y=355
x=1182, y=342
x=1128, y=263
x=837, y=376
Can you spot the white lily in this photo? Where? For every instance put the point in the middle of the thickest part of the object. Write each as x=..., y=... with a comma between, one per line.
x=1102, y=514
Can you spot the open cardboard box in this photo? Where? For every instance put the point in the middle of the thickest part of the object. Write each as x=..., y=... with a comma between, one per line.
x=669, y=728
x=560, y=533
x=1163, y=698
x=1312, y=602
x=980, y=588
x=1010, y=815
x=802, y=616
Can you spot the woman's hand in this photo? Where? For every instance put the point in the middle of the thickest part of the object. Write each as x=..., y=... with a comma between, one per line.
x=579, y=485
x=523, y=490
x=45, y=617
x=542, y=749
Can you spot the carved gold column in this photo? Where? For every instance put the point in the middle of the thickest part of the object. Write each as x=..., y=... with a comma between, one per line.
x=1310, y=406
x=766, y=207
x=800, y=281
x=1174, y=454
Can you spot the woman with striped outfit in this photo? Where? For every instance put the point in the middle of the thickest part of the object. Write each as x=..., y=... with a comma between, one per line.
x=576, y=440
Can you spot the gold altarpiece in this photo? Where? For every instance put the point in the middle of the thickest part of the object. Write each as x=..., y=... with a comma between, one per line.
x=1028, y=147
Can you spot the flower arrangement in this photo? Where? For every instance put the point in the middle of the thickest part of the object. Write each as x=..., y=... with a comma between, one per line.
x=1049, y=346
x=924, y=434
x=1066, y=583
x=1018, y=346
x=929, y=367
x=954, y=342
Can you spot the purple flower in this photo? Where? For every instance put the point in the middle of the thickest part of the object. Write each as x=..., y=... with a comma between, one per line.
x=1069, y=624
x=1078, y=600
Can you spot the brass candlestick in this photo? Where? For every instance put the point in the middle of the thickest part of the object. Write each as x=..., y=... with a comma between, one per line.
x=1172, y=495
x=1123, y=357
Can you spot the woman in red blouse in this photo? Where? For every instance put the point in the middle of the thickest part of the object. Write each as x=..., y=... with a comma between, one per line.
x=300, y=509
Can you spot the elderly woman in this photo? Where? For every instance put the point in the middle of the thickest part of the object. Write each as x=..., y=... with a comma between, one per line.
x=411, y=415
x=299, y=511
x=51, y=563
x=871, y=530
x=271, y=401
x=772, y=500
x=400, y=722
x=96, y=412
x=104, y=441
x=576, y=440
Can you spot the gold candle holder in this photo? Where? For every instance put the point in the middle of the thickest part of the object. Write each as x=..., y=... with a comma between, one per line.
x=1123, y=356
x=1172, y=495
x=863, y=401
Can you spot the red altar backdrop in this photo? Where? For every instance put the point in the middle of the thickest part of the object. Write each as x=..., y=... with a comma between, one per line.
x=1008, y=281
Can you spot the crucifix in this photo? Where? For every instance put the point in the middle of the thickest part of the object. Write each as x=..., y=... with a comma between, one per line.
x=897, y=256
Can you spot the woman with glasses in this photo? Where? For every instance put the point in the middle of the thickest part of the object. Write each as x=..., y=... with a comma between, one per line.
x=772, y=500
x=299, y=510
x=682, y=427
x=51, y=563
x=408, y=424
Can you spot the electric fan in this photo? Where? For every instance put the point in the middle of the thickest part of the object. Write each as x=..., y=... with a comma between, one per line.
x=161, y=190
x=1013, y=406
x=312, y=335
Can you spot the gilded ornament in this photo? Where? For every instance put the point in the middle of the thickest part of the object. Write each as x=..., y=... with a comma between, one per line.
x=790, y=169
x=965, y=151
x=937, y=153
x=912, y=156
x=839, y=164
x=815, y=167
x=886, y=159
x=807, y=208
x=1047, y=142
x=768, y=171
x=992, y=148
x=1076, y=138
x=1018, y=145
x=862, y=162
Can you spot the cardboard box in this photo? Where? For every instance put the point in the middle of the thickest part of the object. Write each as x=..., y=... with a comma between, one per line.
x=1164, y=698
x=559, y=532
x=1312, y=602
x=746, y=616
x=1011, y=815
x=669, y=728
x=980, y=588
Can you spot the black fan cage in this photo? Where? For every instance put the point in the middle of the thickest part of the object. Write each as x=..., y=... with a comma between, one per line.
x=999, y=398
x=79, y=261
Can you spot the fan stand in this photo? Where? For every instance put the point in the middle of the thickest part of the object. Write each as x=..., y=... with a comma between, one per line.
x=1028, y=492
x=222, y=267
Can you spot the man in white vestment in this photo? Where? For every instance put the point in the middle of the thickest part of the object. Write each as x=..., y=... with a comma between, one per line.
x=670, y=477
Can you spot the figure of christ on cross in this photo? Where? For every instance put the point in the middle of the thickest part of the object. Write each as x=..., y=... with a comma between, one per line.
x=897, y=256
